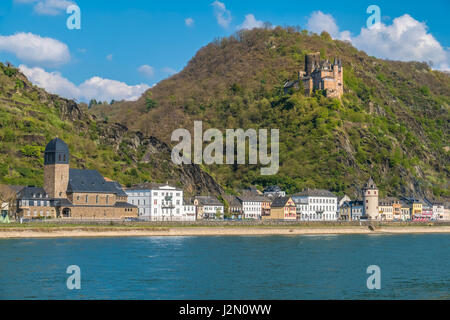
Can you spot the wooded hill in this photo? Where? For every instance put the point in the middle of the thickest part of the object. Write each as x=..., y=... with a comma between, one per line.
x=392, y=122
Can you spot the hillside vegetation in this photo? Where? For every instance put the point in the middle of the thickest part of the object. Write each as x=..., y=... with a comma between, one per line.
x=392, y=122
x=30, y=118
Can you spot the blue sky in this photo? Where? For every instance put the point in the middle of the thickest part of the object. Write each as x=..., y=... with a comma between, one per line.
x=139, y=43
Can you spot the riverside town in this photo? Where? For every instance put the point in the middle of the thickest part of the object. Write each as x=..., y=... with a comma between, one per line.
x=74, y=194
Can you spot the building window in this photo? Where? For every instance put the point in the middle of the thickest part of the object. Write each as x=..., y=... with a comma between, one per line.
x=96, y=199
x=87, y=198
x=107, y=199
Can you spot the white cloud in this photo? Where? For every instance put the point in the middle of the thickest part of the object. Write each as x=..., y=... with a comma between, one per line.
x=147, y=70
x=106, y=89
x=250, y=22
x=223, y=15
x=53, y=82
x=189, y=22
x=93, y=88
x=48, y=7
x=406, y=39
x=319, y=21
x=109, y=57
x=35, y=50
x=169, y=71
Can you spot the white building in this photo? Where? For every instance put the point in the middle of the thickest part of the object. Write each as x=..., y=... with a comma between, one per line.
x=190, y=212
x=208, y=208
x=316, y=205
x=252, y=207
x=141, y=199
x=438, y=211
x=158, y=202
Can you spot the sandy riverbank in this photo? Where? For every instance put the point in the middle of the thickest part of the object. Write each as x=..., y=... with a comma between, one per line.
x=209, y=231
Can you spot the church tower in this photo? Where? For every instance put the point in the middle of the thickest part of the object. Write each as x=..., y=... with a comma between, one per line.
x=371, y=200
x=56, y=169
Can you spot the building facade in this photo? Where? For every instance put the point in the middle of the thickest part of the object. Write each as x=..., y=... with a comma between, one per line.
x=282, y=208
x=141, y=199
x=160, y=202
x=73, y=193
x=255, y=207
x=438, y=211
x=209, y=208
x=446, y=216
x=351, y=211
x=316, y=205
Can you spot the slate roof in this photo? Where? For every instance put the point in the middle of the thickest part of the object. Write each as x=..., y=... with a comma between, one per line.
x=208, y=201
x=389, y=201
x=33, y=193
x=91, y=181
x=280, y=202
x=124, y=205
x=119, y=191
x=254, y=199
x=151, y=186
x=371, y=184
x=353, y=203
x=273, y=189
x=57, y=145
x=315, y=193
x=233, y=201
x=63, y=203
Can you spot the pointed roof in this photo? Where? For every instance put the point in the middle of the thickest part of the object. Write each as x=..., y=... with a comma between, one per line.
x=371, y=185
x=57, y=145
x=280, y=202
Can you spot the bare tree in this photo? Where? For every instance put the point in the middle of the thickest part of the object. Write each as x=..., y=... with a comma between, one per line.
x=9, y=196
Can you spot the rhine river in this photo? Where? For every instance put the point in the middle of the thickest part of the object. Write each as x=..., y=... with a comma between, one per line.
x=250, y=268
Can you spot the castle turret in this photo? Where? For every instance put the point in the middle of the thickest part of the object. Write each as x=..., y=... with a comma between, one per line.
x=56, y=169
x=371, y=200
x=311, y=61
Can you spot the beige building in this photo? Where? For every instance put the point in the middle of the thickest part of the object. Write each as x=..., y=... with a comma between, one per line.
x=391, y=209
x=72, y=193
x=282, y=208
x=446, y=215
x=371, y=209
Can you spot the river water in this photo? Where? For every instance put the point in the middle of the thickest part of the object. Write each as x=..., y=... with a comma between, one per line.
x=251, y=268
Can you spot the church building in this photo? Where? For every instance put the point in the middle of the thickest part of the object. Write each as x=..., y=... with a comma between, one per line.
x=73, y=193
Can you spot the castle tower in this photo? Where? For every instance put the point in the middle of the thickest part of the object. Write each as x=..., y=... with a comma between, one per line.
x=56, y=169
x=335, y=69
x=371, y=200
x=311, y=60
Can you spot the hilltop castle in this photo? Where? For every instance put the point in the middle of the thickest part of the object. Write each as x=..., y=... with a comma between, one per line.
x=320, y=75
